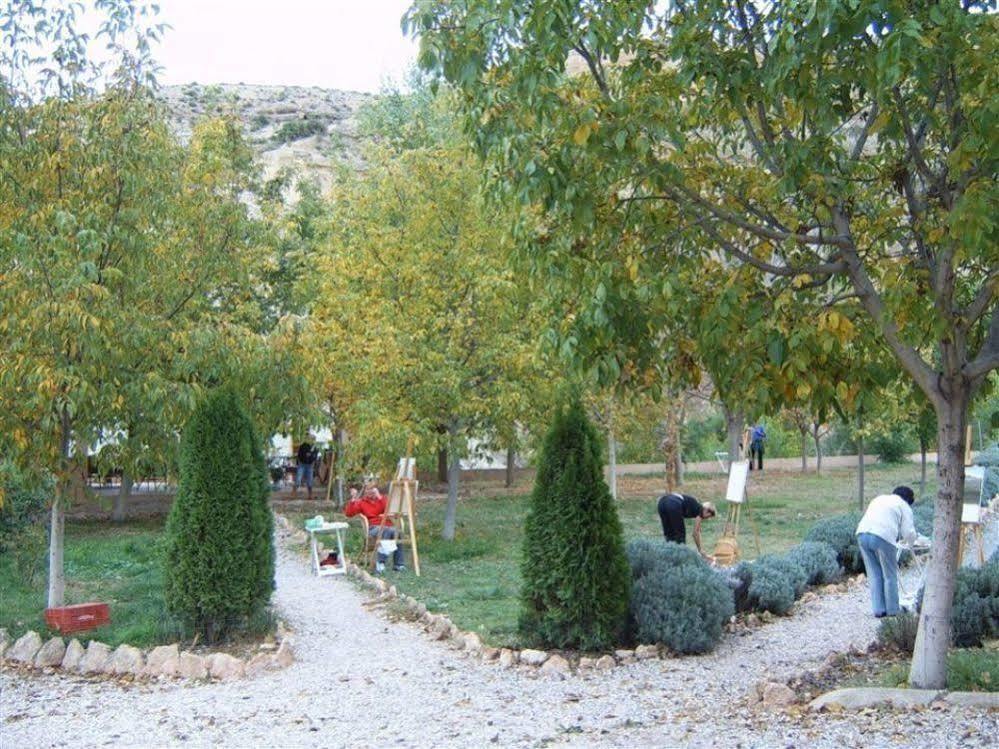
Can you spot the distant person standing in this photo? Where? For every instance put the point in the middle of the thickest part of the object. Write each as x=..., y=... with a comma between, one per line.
x=306, y=457
x=674, y=509
x=757, y=437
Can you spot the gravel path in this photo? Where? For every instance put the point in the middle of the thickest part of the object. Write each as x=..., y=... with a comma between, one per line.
x=360, y=680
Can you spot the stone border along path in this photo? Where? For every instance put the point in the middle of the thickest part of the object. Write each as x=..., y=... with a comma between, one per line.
x=359, y=679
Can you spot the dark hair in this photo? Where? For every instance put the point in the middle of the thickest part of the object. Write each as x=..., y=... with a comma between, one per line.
x=905, y=493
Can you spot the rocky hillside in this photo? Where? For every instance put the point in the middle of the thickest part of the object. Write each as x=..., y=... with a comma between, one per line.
x=306, y=129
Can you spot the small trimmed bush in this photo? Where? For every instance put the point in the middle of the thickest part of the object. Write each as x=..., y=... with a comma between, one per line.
x=774, y=585
x=679, y=601
x=575, y=573
x=818, y=560
x=219, y=570
x=975, y=612
x=840, y=533
x=898, y=632
x=23, y=515
x=894, y=446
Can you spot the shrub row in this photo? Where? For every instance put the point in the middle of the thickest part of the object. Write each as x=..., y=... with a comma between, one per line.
x=774, y=582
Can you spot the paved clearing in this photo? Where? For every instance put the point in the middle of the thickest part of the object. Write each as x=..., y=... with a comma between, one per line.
x=360, y=680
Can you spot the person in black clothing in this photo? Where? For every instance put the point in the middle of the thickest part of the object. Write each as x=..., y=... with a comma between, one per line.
x=307, y=454
x=674, y=508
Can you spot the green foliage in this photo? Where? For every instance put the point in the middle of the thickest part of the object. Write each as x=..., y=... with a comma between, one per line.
x=646, y=554
x=894, y=446
x=219, y=570
x=898, y=632
x=818, y=560
x=22, y=520
x=840, y=533
x=973, y=671
x=676, y=599
x=22, y=503
x=293, y=130
x=576, y=578
x=260, y=120
x=776, y=584
x=975, y=611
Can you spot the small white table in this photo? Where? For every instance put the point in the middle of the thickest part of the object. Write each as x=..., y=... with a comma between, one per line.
x=337, y=529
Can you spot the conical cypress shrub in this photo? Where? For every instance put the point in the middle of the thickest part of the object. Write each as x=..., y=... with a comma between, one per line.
x=219, y=535
x=575, y=571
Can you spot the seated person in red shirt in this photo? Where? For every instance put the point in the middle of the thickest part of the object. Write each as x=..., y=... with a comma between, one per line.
x=372, y=505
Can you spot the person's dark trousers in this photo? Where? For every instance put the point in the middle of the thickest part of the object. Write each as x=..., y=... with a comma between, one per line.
x=756, y=450
x=670, y=510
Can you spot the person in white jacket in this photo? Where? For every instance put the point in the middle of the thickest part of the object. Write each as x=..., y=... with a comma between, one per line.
x=887, y=521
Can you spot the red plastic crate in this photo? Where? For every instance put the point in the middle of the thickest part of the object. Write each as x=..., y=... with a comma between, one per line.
x=78, y=618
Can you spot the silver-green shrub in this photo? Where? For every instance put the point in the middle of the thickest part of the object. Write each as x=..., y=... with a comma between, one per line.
x=676, y=599
x=840, y=532
x=774, y=585
x=818, y=561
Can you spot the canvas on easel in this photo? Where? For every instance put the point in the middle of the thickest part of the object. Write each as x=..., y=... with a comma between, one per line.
x=727, y=548
x=401, y=506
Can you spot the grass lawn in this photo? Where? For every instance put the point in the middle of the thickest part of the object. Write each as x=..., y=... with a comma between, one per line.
x=117, y=564
x=476, y=578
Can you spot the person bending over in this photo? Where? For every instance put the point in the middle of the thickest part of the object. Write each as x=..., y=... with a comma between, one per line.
x=674, y=509
x=372, y=505
x=887, y=521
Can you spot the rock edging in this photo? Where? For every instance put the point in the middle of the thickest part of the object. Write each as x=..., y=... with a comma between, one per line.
x=859, y=698
x=161, y=662
x=553, y=664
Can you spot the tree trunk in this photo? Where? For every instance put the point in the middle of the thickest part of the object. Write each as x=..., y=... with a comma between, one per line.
x=453, y=474
x=817, y=440
x=922, y=467
x=442, y=464
x=804, y=452
x=121, y=499
x=511, y=461
x=337, y=466
x=612, y=461
x=57, y=574
x=860, y=474
x=679, y=464
x=929, y=658
x=670, y=444
x=734, y=422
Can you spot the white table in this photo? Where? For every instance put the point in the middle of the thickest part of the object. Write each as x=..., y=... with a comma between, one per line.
x=337, y=530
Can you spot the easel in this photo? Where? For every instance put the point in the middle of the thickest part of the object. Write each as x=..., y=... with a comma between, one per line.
x=736, y=497
x=971, y=523
x=400, y=504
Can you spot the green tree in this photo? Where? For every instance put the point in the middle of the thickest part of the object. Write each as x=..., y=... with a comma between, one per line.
x=576, y=576
x=839, y=145
x=219, y=567
x=127, y=260
x=431, y=328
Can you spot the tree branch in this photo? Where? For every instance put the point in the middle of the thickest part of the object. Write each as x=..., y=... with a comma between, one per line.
x=988, y=355
x=596, y=69
x=921, y=372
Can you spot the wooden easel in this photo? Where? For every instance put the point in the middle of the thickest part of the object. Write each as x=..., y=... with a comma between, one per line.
x=400, y=505
x=971, y=522
x=736, y=496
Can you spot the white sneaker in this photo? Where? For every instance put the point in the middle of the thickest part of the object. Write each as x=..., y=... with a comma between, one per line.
x=379, y=568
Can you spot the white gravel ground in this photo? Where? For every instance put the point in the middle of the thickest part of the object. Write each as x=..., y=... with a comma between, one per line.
x=362, y=681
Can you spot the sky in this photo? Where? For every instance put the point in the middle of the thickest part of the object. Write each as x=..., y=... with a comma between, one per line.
x=351, y=45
